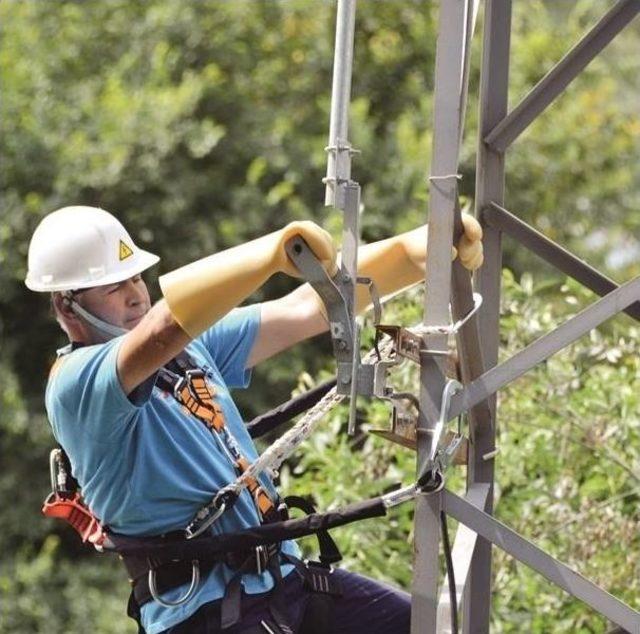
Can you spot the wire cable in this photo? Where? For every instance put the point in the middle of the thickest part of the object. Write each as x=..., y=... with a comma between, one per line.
x=453, y=599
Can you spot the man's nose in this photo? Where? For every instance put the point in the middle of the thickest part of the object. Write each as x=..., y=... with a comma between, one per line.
x=134, y=294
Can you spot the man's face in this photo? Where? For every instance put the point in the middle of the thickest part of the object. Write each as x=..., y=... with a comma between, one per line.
x=123, y=304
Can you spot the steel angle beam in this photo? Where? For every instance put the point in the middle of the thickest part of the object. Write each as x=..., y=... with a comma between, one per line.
x=535, y=558
x=462, y=554
x=447, y=117
x=554, y=341
x=561, y=75
x=494, y=89
x=558, y=256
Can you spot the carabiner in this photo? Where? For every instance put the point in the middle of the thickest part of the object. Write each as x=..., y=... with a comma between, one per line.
x=198, y=526
x=451, y=387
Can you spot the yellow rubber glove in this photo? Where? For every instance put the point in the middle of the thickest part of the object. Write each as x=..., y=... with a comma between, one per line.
x=202, y=292
x=398, y=262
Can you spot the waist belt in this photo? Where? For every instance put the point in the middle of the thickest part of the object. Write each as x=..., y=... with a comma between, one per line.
x=151, y=578
x=170, y=561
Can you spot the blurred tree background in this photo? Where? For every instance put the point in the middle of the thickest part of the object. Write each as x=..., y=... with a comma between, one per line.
x=202, y=124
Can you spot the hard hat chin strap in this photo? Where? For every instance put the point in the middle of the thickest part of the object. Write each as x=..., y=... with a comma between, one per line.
x=103, y=327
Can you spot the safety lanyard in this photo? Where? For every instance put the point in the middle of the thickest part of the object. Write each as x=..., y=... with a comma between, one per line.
x=188, y=385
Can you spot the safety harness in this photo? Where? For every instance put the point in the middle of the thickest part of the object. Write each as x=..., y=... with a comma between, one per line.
x=158, y=564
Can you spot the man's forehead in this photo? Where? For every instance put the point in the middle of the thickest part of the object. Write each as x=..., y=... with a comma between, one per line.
x=106, y=287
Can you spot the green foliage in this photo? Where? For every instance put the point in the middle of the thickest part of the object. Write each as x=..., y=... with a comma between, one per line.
x=579, y=159
x=45, y=591
x=202, y=124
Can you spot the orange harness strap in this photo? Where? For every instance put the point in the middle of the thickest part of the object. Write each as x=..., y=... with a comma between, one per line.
x=197, y=398
x=196, y=395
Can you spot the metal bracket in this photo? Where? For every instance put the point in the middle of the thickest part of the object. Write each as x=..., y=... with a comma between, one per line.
x=405, y=343
x=353, y=378
x=408, y=345
x=403, y=428
x=337, y=307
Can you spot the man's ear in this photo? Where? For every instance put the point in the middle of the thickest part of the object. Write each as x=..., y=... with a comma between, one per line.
x=62, y=305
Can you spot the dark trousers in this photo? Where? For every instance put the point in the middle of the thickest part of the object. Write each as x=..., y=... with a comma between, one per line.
x=365, y=607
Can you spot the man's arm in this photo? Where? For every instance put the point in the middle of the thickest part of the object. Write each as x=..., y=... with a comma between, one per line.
x=394, y=264
x=287, y=321
x=152, y=343
x=197, y=295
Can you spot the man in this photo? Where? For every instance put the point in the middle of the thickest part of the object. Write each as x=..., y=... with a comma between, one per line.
x=144, y=460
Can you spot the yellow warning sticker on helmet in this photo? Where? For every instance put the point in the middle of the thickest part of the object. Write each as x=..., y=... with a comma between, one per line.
x=125, y=251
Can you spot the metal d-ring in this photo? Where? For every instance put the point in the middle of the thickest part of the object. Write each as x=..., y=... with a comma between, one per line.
x=195, y=580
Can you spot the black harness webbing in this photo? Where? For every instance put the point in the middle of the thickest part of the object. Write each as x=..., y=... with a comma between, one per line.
x=264, y=423
x=172, y=547
x=141, y=554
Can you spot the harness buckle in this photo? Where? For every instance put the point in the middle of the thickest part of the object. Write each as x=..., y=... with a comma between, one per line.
x=194, y=373
x=187, y=381
x=262, y=558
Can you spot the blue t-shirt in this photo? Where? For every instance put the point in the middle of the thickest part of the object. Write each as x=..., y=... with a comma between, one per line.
x=147, y=468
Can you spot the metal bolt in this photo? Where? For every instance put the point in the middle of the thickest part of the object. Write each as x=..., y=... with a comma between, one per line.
x=342, y=345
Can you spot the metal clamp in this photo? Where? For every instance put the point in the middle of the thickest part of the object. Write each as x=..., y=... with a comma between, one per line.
x=188, y=595
x=337, y=307
x=341, y=146
x=452, y=329
x=444, y=177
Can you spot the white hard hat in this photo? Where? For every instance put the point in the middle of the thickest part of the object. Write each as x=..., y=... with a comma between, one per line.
x=80, y=247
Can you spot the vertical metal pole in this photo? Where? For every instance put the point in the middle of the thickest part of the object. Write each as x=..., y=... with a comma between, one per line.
x=489, y=188
x=448, y=98
x=339, y=157
x=343, y=193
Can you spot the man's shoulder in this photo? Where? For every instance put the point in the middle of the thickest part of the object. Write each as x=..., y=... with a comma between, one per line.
x=73, y=357
x=73, y=365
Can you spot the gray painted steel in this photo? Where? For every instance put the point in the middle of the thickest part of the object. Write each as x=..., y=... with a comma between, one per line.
x=548, y=250
x=494, y=84
x=559, y=338
x=554, y=570
x=561, y=75
x=448, y=100
x=339, y=153
x=461, y=555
